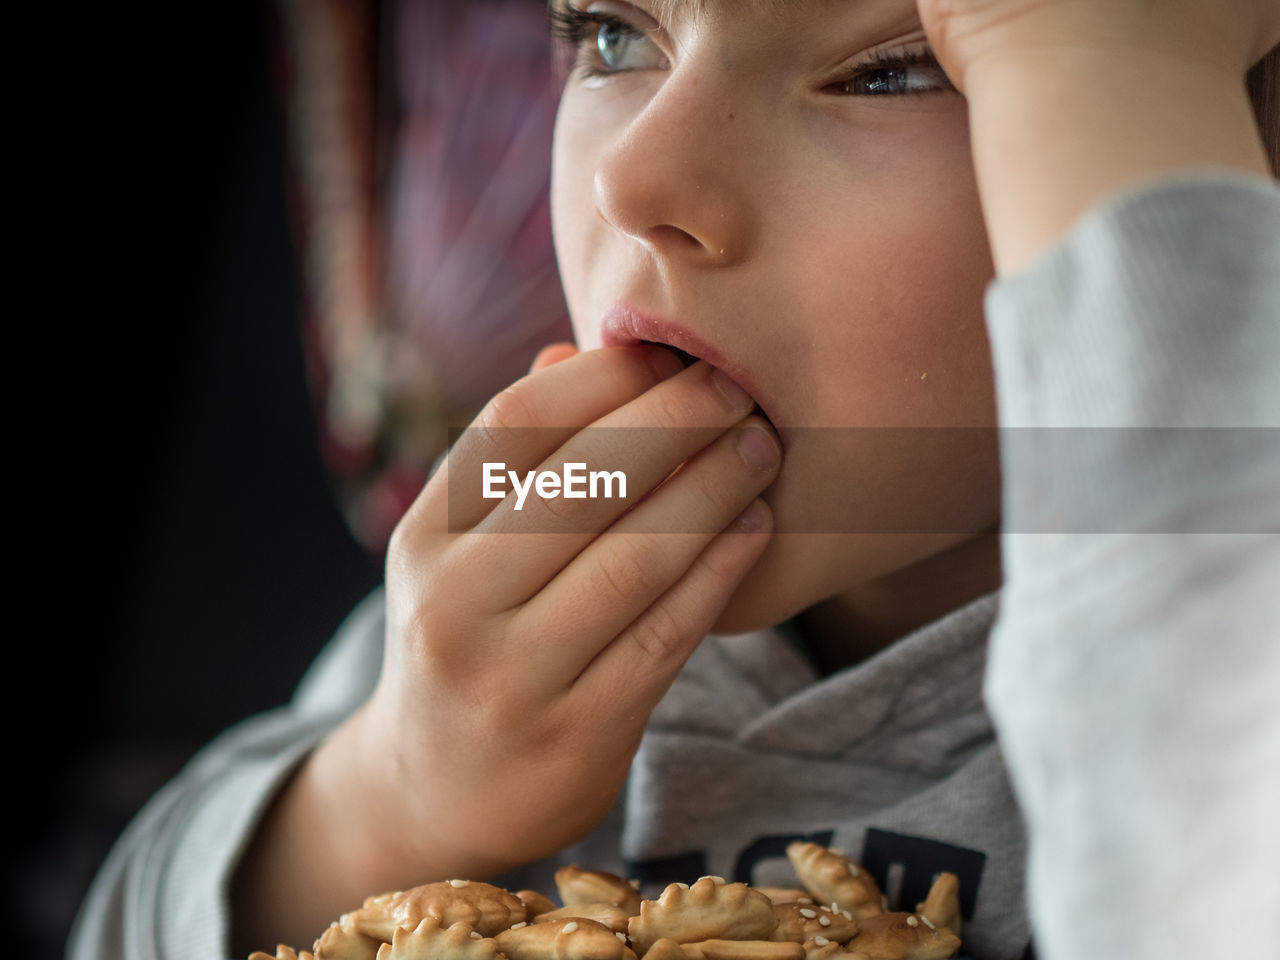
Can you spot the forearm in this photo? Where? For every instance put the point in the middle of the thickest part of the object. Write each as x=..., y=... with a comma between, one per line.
x=1130, y=677
x=1056, y=130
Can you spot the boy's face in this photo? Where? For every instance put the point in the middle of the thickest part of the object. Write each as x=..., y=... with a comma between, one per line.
x=745, y=179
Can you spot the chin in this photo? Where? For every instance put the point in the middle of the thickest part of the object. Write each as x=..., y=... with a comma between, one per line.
x=797, y=571
x=773, y=590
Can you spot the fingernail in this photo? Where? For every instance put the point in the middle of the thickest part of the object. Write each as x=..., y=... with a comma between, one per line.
x=738, y=397
x=751, y=519
x=757, y=449
x=664, y=363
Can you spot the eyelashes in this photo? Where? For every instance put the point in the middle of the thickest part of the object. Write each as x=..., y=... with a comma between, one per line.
x=597, y=38
x=880, y=73
x=572, y=26
x=882, y=69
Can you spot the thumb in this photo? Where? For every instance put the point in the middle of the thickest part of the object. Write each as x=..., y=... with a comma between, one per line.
x=551, y=354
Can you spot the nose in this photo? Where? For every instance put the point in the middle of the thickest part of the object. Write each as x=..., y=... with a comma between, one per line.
x=677, y=178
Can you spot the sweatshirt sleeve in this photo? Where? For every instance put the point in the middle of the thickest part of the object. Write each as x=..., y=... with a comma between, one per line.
x=162, y=894
x=1134, y=671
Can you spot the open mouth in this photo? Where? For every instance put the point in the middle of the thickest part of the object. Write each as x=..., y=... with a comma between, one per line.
x=688, y=359
x=621, y=325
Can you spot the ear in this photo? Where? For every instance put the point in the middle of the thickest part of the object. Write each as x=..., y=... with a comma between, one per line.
x=552, y=353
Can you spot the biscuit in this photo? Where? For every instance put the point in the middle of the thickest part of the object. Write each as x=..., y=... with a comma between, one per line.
x=430, y=941
x=576, y=885
x=904, y=936
x=613, y=917
x=535, y=903
x=786, y=894
x=710, y=909
x=834, y=879
x=282, y=953
x=820, y=948
x=837, y=913
x=799, y=922
x=563, y=940
x=666, y=949
x=342, y=941
x=743, y=950
x=485, y=908
x=942, y=905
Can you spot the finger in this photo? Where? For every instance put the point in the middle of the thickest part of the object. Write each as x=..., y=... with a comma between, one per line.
x=641, y=444
x=634, y=671
x=612, y=582
x=551, y=354
x=526, y=422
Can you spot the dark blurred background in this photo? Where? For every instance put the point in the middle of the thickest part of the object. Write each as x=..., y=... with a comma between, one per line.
x=211, y=526
x=218, y=559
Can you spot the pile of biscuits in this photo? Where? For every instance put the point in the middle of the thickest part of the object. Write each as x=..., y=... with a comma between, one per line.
x=836, y=912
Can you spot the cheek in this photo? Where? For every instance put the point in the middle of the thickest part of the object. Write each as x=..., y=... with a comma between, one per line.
x=897, y=458
x=899, y=273
x=573, y=163
x=588, y=125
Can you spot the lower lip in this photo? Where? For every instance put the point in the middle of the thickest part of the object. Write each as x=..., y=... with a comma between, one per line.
x=757, y=409
x=689, y=359
x=622, y=327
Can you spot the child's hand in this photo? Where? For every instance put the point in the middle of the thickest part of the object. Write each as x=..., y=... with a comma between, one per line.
x=1071, y=101
x=521, y=666
x=1232, y=34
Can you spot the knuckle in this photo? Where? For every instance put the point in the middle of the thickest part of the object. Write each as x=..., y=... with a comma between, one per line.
x=483, y=437
x=509, y=408
x=721, y=498
x=415, y=545
x=419, y=630
x=627, y=576
x=501, y=711
x=722, y=567
x=554, y=514
x=401, y=544
x=675, y=406
x=658, y=635
x=439, y=652
x=506, y=411
x=412, y=535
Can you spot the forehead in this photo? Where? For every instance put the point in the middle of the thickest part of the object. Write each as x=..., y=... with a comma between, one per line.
x=668, y=10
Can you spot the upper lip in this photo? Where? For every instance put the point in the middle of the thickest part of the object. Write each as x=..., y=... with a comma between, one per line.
x=623, y=325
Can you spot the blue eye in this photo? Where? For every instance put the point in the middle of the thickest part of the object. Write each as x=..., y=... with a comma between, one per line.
x=880, y=75
x=622, y=47
x=604, y=44
x=884, y=82
x=612, y=42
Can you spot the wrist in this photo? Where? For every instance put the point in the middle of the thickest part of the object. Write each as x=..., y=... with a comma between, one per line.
x=1056, y=130
x=332, y=837
x=393, y=831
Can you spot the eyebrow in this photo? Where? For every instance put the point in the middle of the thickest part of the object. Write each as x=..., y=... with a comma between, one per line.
x=665, y=11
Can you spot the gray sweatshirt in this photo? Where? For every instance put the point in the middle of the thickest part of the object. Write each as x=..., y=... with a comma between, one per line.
x=1131, y=663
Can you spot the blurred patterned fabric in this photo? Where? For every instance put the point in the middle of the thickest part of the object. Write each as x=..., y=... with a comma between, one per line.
x=418, y=138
